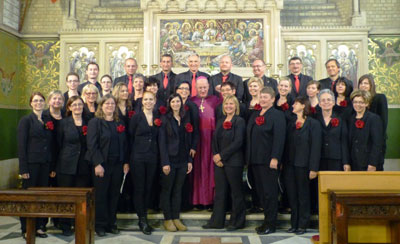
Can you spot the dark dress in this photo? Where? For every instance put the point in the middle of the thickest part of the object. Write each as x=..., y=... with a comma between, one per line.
x=379, y=106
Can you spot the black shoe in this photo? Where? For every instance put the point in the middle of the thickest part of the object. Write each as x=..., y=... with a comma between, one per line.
x=210, y=226
x=256, y=210
x=67, y=232
x=300, y=231
x=261, y=227
x=266, y=231
x=233, y=228
x=144, y=226
x=113, y=230
x=292, y=230
x=40, y=233
x=100, y=233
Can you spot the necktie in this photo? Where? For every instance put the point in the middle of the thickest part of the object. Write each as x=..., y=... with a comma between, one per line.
x=297, y=83
x=332, y=85
x=130, y=84
x=165, y=81
x=194, y=93
x=224, y=78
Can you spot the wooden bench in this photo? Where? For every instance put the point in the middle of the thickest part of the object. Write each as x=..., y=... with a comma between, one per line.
x=57, y=202
x=363, y=207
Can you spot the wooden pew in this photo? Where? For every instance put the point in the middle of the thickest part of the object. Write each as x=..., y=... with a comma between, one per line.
x=77, y=203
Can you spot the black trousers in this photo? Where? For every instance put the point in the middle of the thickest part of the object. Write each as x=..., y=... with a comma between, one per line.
x=225, y=178
x=255, y=200
x=298, y=189
x=330, y=165
x=143, y=178
x=266, y=182
x=38, y=176
x=107, y=194
x=171, y=192
x=65, y=180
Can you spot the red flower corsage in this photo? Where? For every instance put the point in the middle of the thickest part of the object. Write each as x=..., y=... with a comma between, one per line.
x=157, y=122
x=360, y=124
x=227, y=125
x=131, y=113
x=84, y=130
x=257, y=107
x=299, y=125
x=49, y=125
x=162, y=110
x=343, y=103
x=334, y=122
x=313, y=110
x=120, y=128
x=186, y=107
x=285, y=106
x=260, y=120
x=189, y=127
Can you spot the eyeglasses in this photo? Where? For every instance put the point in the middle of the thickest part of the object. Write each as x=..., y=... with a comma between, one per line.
x=359, y=102
x=73, y=81
x=38, y=101
x=257, y=66
x=183, y=88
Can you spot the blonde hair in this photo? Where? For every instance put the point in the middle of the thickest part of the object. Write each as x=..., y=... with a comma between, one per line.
x=256, y=79
x=92, y=88
x=100, y=113
x=54, y=93
x=365, y=95
x=285, y=78
x=117, y=90
x=235, y=100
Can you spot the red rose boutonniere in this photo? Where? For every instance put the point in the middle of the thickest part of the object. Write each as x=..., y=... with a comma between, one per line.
x=260, y=120
x=313, y=110
x=299, y=125
x=285, y=106
x=257, y=107
x=227, y=125
x=189, y=127
x=360, y=124
x=84, y=130
x=162, y=110
x=49, y=125
x=157, y=122
x=335, y=122
x=343, y=103
x=120, y=128
x=131, y=113
x=186, y=107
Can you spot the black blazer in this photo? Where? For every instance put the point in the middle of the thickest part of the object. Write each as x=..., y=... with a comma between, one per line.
x=327, y=83
x=147, y=141
x=344, y=111
x=216, y=80
x=304, y=145
x=304, y=79
x=266, y=141
x=229, y=143
x=35, y=142
x=219, y=113
x=165, y=93
x=365, y=143
x=193, y=110
x=98, y=142
x=123, y=79
x=335, y=140
x=268, y=81
x=87, y=115
x=188, y=75
x=66, y=97
x=286, y=109
x=379, y=106
x=70, y=145
x=81, y=86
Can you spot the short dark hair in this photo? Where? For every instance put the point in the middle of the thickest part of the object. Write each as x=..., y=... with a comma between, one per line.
x=184, y=82
x=167, y=56
x=69, y=102
x=151, y=81
x=71, y=74
x=347, y=90
x=258, y=59
x=108, y=76
x=295, y=58
x=314, y=82
x=230, y=84
x=307, y=105
x=92, y=63
x=36, y=93
x=371, y=82
x=332, y=59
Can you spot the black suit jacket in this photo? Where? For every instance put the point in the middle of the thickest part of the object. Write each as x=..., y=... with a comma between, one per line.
x=188, y=75
x=229, y=143
x=193, y=110
x=98, y=142
x=35, y=142
x=265, y=141
x=344, y=111
x=286, y=108
x=304, y=145
x=379, y=106
x=219, y=113
x=81, y=86
x=365, y=143
x=327, y=83
x=268, y=81
x=304, y=79
x=216, y=80
x=70, y=145
x=165, y=93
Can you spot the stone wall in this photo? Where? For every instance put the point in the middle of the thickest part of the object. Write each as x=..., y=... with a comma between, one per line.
x=382, y=14
x=345, y=9
x=43, y=17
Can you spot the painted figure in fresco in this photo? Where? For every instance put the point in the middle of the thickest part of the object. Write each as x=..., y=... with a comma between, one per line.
x=238, y=50
x=228, y=33
x=257, y=45
x=80, y=59
x=258, y=27
x=211, y=32
x=389, y=52
x=308, y=63
x=199, y=32
x=348, y=61
x=6, y=82
x=185, y=33
x=241, y=29
x=39, y=53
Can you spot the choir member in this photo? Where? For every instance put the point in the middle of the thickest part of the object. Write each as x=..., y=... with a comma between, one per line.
x=147, y=136
x=265, y=142
x=166, y=78
x=130, y=68
x=312, y=90
x=343, y=107
x=303, y=145
x=284, y=99
x=107, y=152
x=152, y=85
x=227, y=89
x=72, y=81
x=365, y=134
x=35, y=152
x=106, y=85
x=137, y=93
x=335, y=150
x=255, y=85
x=227, y=147
x=124, y=104
x=72, y=168
x=92, y=73
x=179, y=129
x=90, y=96
x=378, y=105
x=299, y=80
x=333, y=69
x=259, y=69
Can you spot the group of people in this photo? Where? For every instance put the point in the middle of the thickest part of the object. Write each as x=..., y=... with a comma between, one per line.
x=199, y=133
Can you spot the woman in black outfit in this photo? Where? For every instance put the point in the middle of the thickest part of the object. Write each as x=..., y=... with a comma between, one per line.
x=379, y=106
x=284, y=99
x=124, y=104
x=343, y=107
x=72, y=81
x=147, y=135
x=365, y=134
x=313, y=88
x=137, y=93
x=303, y=144
x=179, y=129
x=227, y=146
x=35, y=152
x=106, y=151
x=335, y=150
x=72, y=168
x=90, y=96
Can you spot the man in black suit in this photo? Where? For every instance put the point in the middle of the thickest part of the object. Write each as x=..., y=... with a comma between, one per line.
x=92, y=72
x=333, y=69
x=130, y=69
x=299, y=81
x=259, y=71
x=166, y=78
x=225, y=65
x=192, y=74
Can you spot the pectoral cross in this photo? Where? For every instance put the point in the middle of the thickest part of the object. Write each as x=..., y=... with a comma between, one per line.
x=201, y=106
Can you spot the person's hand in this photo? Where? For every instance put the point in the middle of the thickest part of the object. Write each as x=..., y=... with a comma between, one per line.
x=218, y=88
x=126, y=168
x=347, y=167
x=274, y=163
x=25, y=176
x=192, y=153
x=217, y=158
x=99, y=171
x=52, y=174
x=220, y=164
x=166, y=169
x=190, y=167
x=313, y=175
x=371, y=168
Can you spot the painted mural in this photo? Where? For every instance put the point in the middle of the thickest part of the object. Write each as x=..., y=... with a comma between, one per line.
x=242, y=39
x=384, y=64
x=347, y=54
x=307, y=51
x=9, y=66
